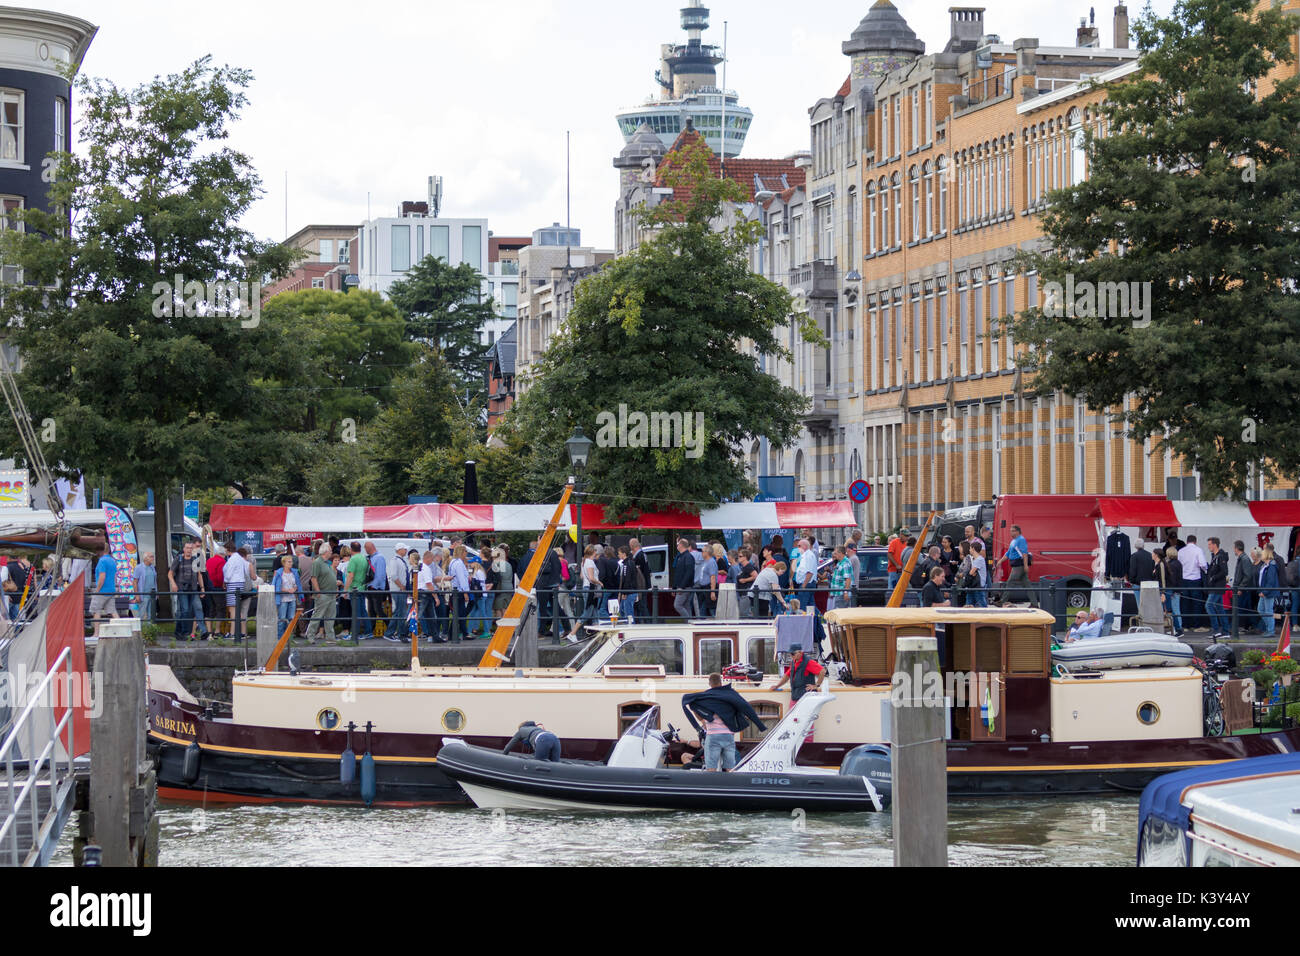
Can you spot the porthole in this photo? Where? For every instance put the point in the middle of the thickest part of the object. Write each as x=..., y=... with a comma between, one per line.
x=1148, y=712
x=454, y=720
x=328, y=719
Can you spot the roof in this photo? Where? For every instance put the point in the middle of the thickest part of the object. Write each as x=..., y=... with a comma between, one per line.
x=503, y=350
x=1134, y=512
x=846, y=88
x=752, y=175
x=857, y=616
x=883, y=30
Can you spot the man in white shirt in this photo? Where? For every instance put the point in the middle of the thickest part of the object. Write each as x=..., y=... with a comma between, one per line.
x=805, y=573
x=1194, y=563
x=427, y=587
x=399, y=582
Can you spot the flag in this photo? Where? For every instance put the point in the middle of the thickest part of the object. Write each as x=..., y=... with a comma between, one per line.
x=412, y=620
x=1284, y=639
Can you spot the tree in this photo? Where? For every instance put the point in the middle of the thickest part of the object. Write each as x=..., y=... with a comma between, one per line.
x=672, y=328
x=148, y=384
x=444, y=307
x=1170, y=271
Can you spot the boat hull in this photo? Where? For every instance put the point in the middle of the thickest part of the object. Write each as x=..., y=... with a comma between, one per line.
x=267, y=764
x=495, y=780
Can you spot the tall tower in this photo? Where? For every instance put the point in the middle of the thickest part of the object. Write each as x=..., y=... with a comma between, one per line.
x=882, y=42
x=688, y=90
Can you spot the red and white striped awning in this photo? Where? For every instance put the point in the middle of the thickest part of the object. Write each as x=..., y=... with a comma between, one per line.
x=1128, y=512
x=467, y=518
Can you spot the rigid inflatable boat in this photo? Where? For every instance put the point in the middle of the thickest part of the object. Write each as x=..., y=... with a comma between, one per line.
x=1141, y=649
x=635, y=777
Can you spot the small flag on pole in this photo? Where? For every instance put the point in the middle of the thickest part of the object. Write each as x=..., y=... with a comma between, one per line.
x=1284, y=640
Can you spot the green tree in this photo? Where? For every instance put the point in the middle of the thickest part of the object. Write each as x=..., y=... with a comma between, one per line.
x=145, y=388
x=1192, y=199
x=673, y=327
x=444, y=307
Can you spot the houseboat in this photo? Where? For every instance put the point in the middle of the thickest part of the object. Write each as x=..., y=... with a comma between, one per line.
x=1013, y=727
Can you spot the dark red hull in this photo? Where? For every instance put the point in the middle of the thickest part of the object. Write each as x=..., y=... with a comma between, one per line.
x=270, y=765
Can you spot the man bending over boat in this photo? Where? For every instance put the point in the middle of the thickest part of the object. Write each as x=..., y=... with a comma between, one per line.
x=725, y=714
x=545, y=745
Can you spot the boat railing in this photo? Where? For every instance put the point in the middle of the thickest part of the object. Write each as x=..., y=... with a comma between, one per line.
x=39, y=783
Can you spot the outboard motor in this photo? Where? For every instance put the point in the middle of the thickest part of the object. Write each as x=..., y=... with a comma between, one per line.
x=1220, y=658
x=874, y=762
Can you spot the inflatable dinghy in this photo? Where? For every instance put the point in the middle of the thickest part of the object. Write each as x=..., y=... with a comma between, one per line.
x=635, y=777
x=1142, y=649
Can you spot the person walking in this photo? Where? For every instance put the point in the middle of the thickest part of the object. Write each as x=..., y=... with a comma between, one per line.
x=1242, y=578
x=1170, y=577
x=1216, y=581
x=683, y=579
x=591, y=590
x=626, y=583
x=805, y=574
x=978, y=594
x=1018, y=556
x=235, y=574
x=427, y=586
x=399, y=592
x=354, y=583
x=145, y=579
x=288, y=592
x=323, y=587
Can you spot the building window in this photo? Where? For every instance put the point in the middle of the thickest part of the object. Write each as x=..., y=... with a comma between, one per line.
x=1009, y=308
x=884, y=130
x=928, y=173
x=945, y=368
x=318, y=283
x=931, y=336
x=884, y=215
x=12, y=145
x=929, y=111
x=327, y=250
x=963, y=323
x=916, y=117
x=916, y=331
x=401, y=248
x=439, y=243
x=941, y=171
x=995, y=313
x=419, y=243
x=873, y=363
x=1077, y=151
x=977, y=284
x=898, y=336
x=12, y=275
x=851, y=227
x=914, y=179
x=897, y=188
x=471, y=252
x=60, y=125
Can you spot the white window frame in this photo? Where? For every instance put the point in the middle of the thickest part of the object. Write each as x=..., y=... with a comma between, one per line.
x=8, y=96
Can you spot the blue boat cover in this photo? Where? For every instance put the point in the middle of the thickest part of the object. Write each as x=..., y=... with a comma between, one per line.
x=1162, y=797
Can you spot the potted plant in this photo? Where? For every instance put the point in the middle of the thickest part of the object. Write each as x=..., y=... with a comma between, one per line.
x=1284, y=666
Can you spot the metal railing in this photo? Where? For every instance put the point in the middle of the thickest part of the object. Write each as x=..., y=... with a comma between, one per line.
x=59, y=773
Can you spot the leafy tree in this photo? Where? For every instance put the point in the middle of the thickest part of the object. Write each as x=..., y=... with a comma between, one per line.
x=444, y=307
x=147, y=388
x=1192, y=195
x=341, y=352
x=673, y=327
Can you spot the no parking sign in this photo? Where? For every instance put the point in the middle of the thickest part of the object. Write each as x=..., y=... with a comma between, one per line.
x=860, y=491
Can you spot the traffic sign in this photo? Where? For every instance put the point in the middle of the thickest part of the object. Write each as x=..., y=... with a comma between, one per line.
x=860, y=491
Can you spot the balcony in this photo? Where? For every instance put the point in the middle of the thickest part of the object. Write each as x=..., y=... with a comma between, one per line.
x=817, y=279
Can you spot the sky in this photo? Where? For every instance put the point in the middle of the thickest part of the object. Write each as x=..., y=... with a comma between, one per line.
x=359, y=103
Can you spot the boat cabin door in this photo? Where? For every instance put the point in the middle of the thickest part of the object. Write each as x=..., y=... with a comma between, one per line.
x=715, y=650
x=985, y=687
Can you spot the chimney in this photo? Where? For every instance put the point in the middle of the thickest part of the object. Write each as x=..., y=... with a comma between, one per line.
x=1087, y=35
x=1121, y=27
x=1026, y=55
x=967, y=23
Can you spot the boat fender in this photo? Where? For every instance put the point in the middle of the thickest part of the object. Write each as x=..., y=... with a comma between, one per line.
x=190, y=765
x=368, y=785
x=348, y=759
x=873, y=762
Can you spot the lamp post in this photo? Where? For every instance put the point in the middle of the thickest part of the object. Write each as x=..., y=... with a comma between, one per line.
x=579, y=448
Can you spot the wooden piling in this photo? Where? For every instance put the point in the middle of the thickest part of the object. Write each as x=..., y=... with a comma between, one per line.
x=919, y=805
x=123, y=786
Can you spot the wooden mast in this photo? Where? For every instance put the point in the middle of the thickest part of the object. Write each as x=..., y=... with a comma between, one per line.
x=904, y=579
x=496, y=651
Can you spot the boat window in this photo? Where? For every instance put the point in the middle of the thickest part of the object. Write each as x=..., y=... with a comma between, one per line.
x=770, y=713
x=871, y=650
x=667, y=652
x=328, y=719
x=760, y=652
x=657, y=561
x=1026, y=650
x=454, y=720
x=585, y=655
x=1148, y=712
x=988, y=650
x=715, y=654
x=631, y=712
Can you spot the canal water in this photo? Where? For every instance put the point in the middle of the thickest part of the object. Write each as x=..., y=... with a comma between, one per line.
x=1085, y=831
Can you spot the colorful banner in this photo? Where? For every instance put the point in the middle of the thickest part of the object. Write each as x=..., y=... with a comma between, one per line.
x=122, y=545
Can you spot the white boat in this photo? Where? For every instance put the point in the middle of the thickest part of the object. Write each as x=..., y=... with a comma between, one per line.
x=1142, y=649
x=1242, y=813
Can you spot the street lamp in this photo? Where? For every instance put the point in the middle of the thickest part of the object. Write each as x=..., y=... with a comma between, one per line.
x=579, y=448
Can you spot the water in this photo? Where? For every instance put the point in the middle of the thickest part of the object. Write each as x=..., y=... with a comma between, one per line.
x=1086, y=831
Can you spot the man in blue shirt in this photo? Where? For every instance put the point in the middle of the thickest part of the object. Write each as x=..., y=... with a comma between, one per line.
x=377, y=588
x=145, y=578
x=104, y=599
x=1018, y=557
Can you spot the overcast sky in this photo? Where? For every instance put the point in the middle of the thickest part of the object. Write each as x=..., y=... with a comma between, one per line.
x=351, y=99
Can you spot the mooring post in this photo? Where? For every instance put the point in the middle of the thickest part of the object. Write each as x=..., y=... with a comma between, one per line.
x=919, y=805
x=266, y=623
x=122, y=783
